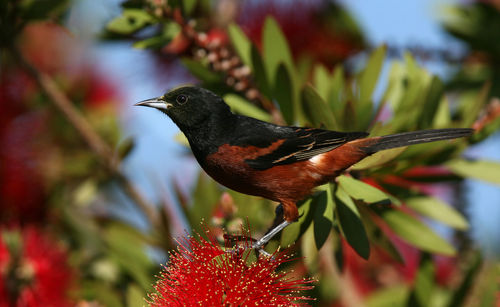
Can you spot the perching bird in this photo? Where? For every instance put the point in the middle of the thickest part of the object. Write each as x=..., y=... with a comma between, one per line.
x=280, y=163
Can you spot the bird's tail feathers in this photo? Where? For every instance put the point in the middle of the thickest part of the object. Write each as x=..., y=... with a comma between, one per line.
x=415, y=137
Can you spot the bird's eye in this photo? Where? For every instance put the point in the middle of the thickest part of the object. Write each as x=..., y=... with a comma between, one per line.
x=181, y=99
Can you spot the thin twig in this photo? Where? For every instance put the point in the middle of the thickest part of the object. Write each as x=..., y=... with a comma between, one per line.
x=100, y=148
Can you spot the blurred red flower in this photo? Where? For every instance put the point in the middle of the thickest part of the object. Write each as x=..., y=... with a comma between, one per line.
x=200, y=271
x=25, y=137
x=312, y=27
x=33, y=270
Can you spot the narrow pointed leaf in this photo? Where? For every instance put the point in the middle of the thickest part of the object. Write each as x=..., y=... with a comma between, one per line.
x=283, y=92
x=431, y=102
x=130, y=21
x=390, y=296
x=243, y=106
x=336, y=99
x=442, y=118
x=259, y=71
x=376, y=236
x=200, y=71
x=241, y=44
x=416, y=233
x=481, y=169
x=424, y=283
x=322, y=81
x=353, y=230
x=369, y=76
x=362, y=191
x=378, y=158
x=342, y=195
x=438, y=210
x=275, y=48
x=316, y=109
x=323, y=216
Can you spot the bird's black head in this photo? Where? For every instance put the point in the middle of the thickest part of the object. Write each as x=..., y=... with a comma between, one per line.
x=190, y=107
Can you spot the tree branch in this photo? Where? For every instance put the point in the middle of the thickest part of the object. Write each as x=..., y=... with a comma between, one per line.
x=100, y=148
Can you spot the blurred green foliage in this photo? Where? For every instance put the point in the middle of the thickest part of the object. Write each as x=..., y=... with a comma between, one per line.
x=376, y=201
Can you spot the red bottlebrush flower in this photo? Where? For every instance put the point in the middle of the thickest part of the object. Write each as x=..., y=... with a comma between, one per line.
x=33, y=270
x=200, y=271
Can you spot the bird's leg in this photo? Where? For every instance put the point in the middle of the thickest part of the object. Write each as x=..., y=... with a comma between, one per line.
x=278, y=218
x=268, y=236
x=278, y=225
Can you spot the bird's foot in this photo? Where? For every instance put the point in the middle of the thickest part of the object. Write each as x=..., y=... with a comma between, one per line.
x=258, y=245
x=268, y=236
x=240, y=248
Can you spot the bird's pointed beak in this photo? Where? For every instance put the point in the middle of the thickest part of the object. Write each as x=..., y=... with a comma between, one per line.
x=156, y=103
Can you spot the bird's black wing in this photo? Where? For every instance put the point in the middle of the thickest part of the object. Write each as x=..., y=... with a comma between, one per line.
x=302, y=144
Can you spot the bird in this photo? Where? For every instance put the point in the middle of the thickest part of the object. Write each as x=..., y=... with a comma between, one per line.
x=280, y=163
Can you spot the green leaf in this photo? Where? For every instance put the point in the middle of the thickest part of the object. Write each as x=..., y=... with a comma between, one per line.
x=472, y=103
x=353, y=228
x=390, y=296
x=342, y=195
x=130, y=21
x=200, y=71
x=442, y=118
x=309, y=251
x=283, y=93
x=378, y=158
x=366, y=83
x=259, y=72
x=481, y=169
x=170, y=31
x=135, y=296
x=316, y=109
x=416, y=233
x=408, y=89
x=438, y=210
x=243, y=106
x=188, y=6
x=367, y=79
x=336, y=96
x=275, y=48
x=322, y=81
x=241, y=44
x=323, y=216
x=152, y=42
x=376, y=236
x=362, y=191
x=431, y=103
x=424, y=283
